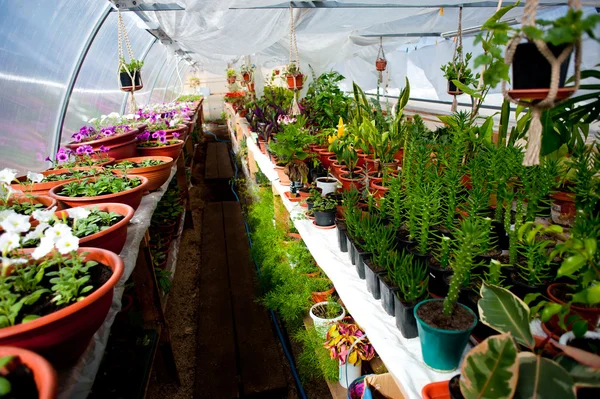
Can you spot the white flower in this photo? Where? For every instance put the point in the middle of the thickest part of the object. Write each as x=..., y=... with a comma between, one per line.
x=137, y=116
x=93, y=121
x=114, y=115
x=44, y=216
x=7, y=175
x=129, y=116
x=67, y=244
x=6, y=213
x=172, y=124
x=35, y=177
x=37, y=233
x=78, y=213
x=16, y=223
x=45, y=247
x=9, y=241
x=103, y=117
x=57, y=232
x=6, y=262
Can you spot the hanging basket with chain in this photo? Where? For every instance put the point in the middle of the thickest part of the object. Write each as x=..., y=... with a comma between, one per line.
x=380, y=62
x=130, y=76
x=294, y=77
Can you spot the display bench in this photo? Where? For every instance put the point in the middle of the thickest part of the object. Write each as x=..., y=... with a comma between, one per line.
x=401, y=356
x=77, y=381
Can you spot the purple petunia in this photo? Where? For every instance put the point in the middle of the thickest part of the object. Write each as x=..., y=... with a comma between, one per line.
x=103, y=149
x=176, y=135
x=155, y=135
x=78, y=137
x=48, y=159
x=144, y=136
x=162, y=133
x=108, y=131
x=61, y=156
x=162, y=139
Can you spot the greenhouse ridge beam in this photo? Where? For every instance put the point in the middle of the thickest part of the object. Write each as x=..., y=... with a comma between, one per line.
x=417, y=34
x=335, y=4
x=129, y=5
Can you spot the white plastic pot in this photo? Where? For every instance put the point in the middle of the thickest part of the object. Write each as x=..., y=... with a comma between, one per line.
x=349, y=372
x=327, y=185
x=322, y=325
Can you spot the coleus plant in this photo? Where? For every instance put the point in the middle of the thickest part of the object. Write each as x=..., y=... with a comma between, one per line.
x=340, y=338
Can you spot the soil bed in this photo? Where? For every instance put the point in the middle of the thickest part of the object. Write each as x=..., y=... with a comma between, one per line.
x=21, y=381
x=432, y=314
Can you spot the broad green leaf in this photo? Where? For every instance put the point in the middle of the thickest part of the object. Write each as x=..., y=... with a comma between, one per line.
x=466, y=89
x=589, y=296
x=5, y=387
x=490, y=370
x=30, y=317
x=503, y=311
x=550, y=310
x=541, y=378
x=583, y=376
x=571, y=265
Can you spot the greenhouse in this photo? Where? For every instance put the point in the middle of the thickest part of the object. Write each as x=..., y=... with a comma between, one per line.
x=310, y=199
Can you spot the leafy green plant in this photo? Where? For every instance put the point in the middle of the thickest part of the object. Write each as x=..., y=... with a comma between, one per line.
x=71, y=281
x=324, y=204
x=409, y=275
x=459, y=70
x=325, y=102
x=231, y=72
x=536, y=252
x=126, y=165
x=102, y=185
x=132, y=66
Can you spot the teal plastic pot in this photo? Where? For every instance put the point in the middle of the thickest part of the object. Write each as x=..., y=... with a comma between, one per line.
x=442, y=349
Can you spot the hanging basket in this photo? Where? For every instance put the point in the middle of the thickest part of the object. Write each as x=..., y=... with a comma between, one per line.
x=251, y=87
x=231, y=79
x=246, y=76
x=276, y=71
x=295, y=81
x=381, y=64
x=127, y=85
x=532, y=73
x=453, y=90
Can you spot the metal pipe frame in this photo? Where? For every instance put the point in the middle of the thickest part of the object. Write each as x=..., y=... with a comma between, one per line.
x=335, y=4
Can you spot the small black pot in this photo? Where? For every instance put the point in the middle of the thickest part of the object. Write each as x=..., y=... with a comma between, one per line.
x=423, y=258
x=531, y=70
x=309, y=204
x=351, y=250
x=437, y=280
x=388, y=293
x=341, y=234
x=464, y=294
x=500, y=232
x=452, y=89
x=324, y=218
x=126, y=81
x=372, y=276
x=454, y=388
x=361, y=256
x=401, y=242
x=405, y=318
x=521, y=289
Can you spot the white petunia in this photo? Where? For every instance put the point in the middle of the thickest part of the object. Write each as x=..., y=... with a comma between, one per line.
x=44, y=248
x=172, y=124
x=9, y=241
x=129, y=117
x=16, y=223
x=92, y=121
x=57, y=232
x=78, y=213
x=6, y=213
x=114, y=115
x=6, y=262
x=7, y=175
x=35, y=177
x=103, y=117
x=67, y=244
x=44, y=216
x=37, y=233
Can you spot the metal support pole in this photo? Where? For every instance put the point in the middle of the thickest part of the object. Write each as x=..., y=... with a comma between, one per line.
x=74, y=74
x=144, y=54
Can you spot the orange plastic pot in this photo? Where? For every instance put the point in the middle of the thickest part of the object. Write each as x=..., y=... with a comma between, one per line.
x=171, y=150
x=131, y=197
x=591, y=315
x=321, y=296
x=295, y=82
x=348, y=183
x=181, y=129
x=246, y=76
x=361, y=160
x=113, y=238
x=377, y=189
x=563, y=208
x=284, y=180
x=436, y=390
x=123, y=150
x=399, y=156
x=371, y=164
x=44, y=187
x=116, y=144
x=324, y=158
x=336, y=168
x=43, y=373
x=62, y=336
x=156, y=175
x=262, y=144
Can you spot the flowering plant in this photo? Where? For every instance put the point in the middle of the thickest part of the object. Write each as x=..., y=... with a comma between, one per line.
x=89, y=133
x=8, y=176
x=53, y=273
x=160, y=139
x=341, y=336
x=85, y=155
x=235, y=97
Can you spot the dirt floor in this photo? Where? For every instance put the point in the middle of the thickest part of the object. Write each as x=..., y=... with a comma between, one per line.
x=183, y=303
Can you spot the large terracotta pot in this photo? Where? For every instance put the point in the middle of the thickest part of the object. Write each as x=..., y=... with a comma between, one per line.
x=113, y=238
x=44, y=187
x=172, y=151
x=591, y=315
x=324, y=158
x=156, y=175
x=377, y=189
x=295, y=82
x=336, y=168
x=181, y=129
x=112, y=142
x=123, y=150
x=348, y=183
x=371, y=164
x=62, y=336
x=284, y=180
x=131, y=197
x=43, y=373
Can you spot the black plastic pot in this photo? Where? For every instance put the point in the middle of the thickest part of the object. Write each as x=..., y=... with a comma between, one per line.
x=309, y=204
x=361, y=256
x=388, y=293
x=351, y=250
x=372, y=277
x=324, y=218
x=500, y=232
x=452, y=89
x=126, y=81
x=402, y=242
x=341, y=234
x=531, y=70
x=521, y=289
x=437, y=280
x=454, y=388
x=405, y=318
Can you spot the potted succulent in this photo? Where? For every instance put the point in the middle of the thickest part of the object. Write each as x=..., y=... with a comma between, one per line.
x=458, y=69
x=104, y=188
x=161, y=146
x=379, y=241
x=156, y=169
x=129, y=70
x=348, y=344
x=293, y=76
x=24, y=374
x=324, y=209
x=325, y=313
x=55, y=296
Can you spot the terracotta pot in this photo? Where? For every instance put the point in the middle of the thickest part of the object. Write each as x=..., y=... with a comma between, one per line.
x=361, y=160
x=243, y=113
x=380, y=64
x=131, y=197
x=336, y=167
x=171, y=150
x=262, y=144
x=123, y=150
x=591, y=315
x=390, y=166
x=251, y=87
x=377, y=189
x=320, y=148
x=295, y=82
x=43, y=373
x=436, y=390
x=43, y=188
x=62, y=336
x=563, y=208
x=371, y=164
x=110, y=142
x=324, y=158
x=348, y=183
x=181, y=129
x=284, y=180
x=399, y=156
x=246, y=76
x=321, y=296
x=156, y=175
x=113, y=238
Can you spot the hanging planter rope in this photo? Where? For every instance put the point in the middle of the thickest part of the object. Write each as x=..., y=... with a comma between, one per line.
x=457, y=45
x=293, y=78
x=534, y=135
x=380, y=62
x=135, y=78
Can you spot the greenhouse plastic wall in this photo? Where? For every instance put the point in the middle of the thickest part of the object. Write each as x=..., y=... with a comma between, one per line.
x=37, y=64
x=158, y=94
x=96, y=90
x=154, y=64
